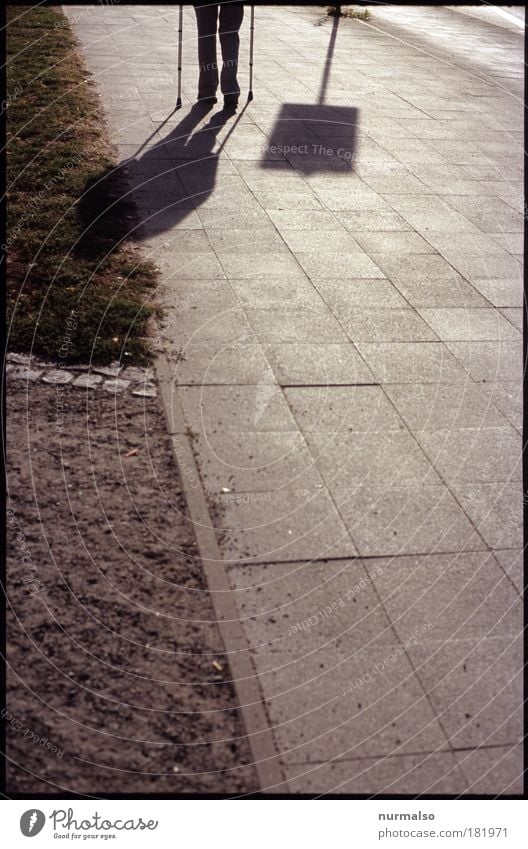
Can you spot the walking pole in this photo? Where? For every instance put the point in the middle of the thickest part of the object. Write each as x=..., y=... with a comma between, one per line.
x=251, y=34
x=180, y=34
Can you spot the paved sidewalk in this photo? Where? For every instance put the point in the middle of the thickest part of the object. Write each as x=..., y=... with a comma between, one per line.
x=343, y=335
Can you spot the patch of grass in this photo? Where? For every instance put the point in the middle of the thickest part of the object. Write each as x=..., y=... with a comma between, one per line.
x=349, y=12
x=70, y=259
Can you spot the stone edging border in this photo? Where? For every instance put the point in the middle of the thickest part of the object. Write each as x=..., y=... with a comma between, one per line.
x=115, y=378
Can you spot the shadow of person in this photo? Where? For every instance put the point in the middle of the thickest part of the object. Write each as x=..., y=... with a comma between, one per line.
x=157, y=188
x=172, y=178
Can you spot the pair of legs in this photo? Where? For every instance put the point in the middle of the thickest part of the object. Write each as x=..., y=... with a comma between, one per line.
x=226, y=19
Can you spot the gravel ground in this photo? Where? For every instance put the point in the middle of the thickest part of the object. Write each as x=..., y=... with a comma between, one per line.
x=117, y=679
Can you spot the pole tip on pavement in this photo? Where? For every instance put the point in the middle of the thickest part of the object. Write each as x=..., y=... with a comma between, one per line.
x=250, y=96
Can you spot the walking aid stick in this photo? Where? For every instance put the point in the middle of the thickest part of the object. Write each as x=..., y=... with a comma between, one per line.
x=251, y=34
x=180, y=34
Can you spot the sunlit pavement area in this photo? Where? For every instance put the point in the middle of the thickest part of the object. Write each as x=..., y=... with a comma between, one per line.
x=341, y=349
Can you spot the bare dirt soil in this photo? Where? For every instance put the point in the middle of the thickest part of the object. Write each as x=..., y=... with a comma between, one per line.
x=117, y=679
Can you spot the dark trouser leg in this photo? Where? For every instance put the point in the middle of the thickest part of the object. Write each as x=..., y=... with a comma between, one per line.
x=207, y=20
x=231, y=15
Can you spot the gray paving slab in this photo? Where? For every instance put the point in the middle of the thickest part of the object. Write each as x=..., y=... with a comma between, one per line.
x=469, y=324
x=373, y=324
x=342, y=409
x=493, y=770
x=470, y=682
x=489, y=361
x=460, y=595
x=474, y=455
x=344, y=296
x=495, y=509
x=430, y=406
x=336, y=705
x=324, y=364
x=512, y=561
x=429, y=773
x=399, y=520
x=282, y=525
x=410, y=362
x=261, y=407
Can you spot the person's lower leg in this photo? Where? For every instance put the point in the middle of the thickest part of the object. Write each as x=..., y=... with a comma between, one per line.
x=207, y=21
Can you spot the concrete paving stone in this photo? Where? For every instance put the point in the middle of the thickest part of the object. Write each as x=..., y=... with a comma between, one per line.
x=342, y=296
x=429, y=406
x=291, y=610
x=321, y=364
x=507, y=397
x=402, y=243
x=428, y=212
x=300, y=326
x=233, y=219
x=475, y=687
x=476, y=265
x=480, y=324
x=19, y=359
x=512, y=562
x=167, y=220
x=280, y=265
x=412, y=362
x=207, y=325
x=25, y=373
x=179, y=296
x=342, y=409
x=355, y=201
x=493, y=770
x=372, y=221
x=57, y=376
x=514, y=316
x=388, y=458
x=308, y=220
x=416, y=268
x=396, y=520
x=450, y=596
x=338, y=704
x=255, y=462
x=338, y=265
x=501, y=292
x=512, y=242
x=489, y=361
x=245, y=242
x=265, y=292
x=193, y=266
x=286, y=200
x=394, y=184
x=223, y=364
x=386, y=325
x=454, y=243
x=489, y=214
x=474, y=455
x=428, y=773
x=282, y=525
x=452, y=293
x=261, y=407
x=495, y=509
x=300, y=241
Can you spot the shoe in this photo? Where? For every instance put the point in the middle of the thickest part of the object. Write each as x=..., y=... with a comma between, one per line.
x=231, y=101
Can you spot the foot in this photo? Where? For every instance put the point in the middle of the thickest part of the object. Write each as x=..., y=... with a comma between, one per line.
x=231, y=101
